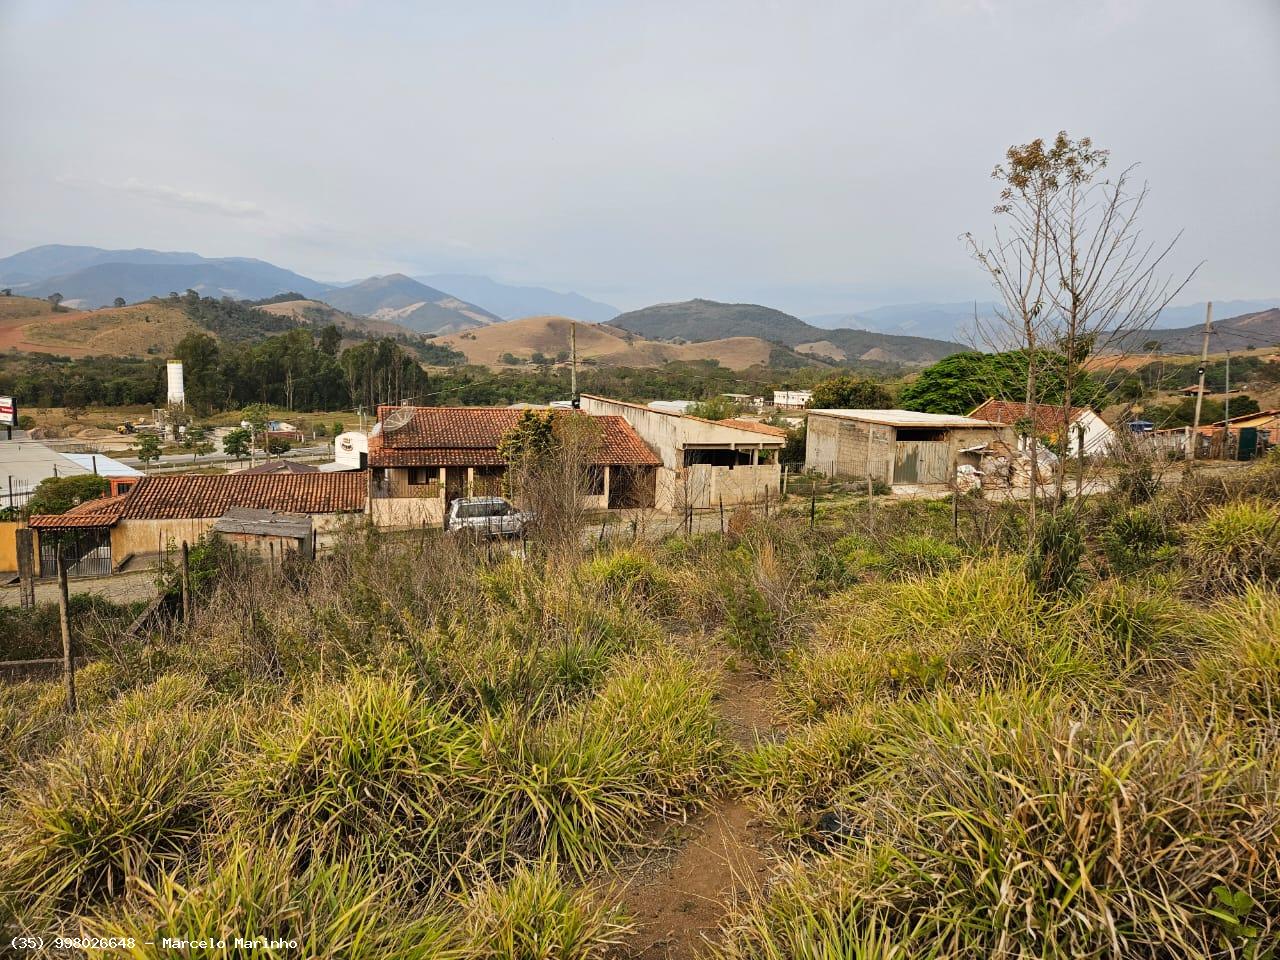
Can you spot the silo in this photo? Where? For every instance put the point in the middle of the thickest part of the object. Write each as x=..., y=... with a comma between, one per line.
x=176, y=392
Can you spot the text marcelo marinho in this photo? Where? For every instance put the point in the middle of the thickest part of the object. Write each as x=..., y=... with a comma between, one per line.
x=238, y=943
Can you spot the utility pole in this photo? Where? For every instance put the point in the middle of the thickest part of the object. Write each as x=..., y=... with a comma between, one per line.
x=1226, y=412
x=1204, y=360
x=573, y=361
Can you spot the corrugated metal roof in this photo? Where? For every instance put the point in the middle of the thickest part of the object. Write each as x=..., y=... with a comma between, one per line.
x=908, y=418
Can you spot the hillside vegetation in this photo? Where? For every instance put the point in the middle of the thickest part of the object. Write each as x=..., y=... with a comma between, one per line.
x=940, y=746
x=699, y=320
x=139, y=330
x=522, y=341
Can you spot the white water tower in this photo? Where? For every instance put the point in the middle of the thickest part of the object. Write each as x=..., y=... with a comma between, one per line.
x=177, y=395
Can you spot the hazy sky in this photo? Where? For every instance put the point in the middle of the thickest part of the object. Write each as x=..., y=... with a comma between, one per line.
x=814, y=156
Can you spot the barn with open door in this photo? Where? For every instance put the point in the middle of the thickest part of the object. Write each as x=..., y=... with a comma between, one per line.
x=899, y=448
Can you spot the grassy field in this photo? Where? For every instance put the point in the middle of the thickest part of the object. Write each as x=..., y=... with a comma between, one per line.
x=877, y=739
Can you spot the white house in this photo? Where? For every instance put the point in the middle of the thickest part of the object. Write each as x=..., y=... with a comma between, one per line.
x=792, y=399
x=1048, y=423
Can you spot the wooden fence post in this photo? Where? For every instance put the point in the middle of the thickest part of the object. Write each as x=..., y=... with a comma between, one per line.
x=25, y=542
x=64, y=621
x=184, y=576
x=722, y=516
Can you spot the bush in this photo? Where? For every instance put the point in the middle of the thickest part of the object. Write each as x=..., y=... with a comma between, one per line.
x=1007, y=826
x=1239, y=671
x=920, y=554
x=533, y=915
x=1236, y=544
x=36, y=634
x=335, y=909
x=1054, y=565
x=1139, y=539
x=126, y=801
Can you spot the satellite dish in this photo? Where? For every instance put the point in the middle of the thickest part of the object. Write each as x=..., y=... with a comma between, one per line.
x=397, y=419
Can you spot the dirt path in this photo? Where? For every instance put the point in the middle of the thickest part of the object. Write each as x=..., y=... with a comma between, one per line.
x=679, y=898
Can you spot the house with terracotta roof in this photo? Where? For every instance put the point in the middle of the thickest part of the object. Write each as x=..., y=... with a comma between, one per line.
x=423, y=458
x=98, y=536
x=703, y=462
x=1047, y=421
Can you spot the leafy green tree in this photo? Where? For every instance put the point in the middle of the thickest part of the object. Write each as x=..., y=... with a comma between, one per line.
x=850, y=392
x=148, y=447
x=962, y=381
x=278, y=446
x=118, y=302
x=60, y=494
x=531, y=439
x=257, y=416
x=237, y=443
x=330, y=340
x=716, y=408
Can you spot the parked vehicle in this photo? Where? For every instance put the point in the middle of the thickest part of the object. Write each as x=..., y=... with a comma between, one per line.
x=485, y=517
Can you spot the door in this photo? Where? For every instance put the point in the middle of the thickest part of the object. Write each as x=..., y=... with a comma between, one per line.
x=922, y=462
x=87, y=553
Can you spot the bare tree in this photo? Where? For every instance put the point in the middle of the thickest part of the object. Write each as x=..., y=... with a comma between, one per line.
x=1072, y=270
x=551, y=471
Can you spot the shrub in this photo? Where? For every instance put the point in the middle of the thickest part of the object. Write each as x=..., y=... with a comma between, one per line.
x=1138, y=539
x=370, y=761
x=920, y=554
x=1236, y=544
x=578, y=789
x=1054, y=565
x=1006, y=826
x=125, y=801
x=1239, y=671
x=533, y=915
x=624, y=573
x=333, y=908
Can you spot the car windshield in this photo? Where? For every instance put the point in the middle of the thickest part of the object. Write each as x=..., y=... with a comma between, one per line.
x=489, y=509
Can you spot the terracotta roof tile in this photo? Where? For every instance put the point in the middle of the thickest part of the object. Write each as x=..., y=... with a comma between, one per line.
x=184, y=496
x=103, y=512
x=469, y=437
x=1047, y=419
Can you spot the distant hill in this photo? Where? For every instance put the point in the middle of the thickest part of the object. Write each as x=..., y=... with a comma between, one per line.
x=403, y=300
x=512, y=302
x=99, y=284
x=699, y=320
x=141, y=330
x=57, y=259
x=1250, y=331
x=318, y=314
x=499, y=344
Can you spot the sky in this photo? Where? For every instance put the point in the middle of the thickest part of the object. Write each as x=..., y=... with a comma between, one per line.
x=816, y=157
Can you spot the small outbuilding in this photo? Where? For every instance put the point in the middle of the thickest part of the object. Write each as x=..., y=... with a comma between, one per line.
x=896, y=447
x=267, y=533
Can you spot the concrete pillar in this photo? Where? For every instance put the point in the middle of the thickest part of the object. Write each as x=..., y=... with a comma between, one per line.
x=471, y=481
x=607, y=471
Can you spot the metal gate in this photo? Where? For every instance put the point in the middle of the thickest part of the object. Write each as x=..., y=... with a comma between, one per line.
x=922, y=461
x=87, y=552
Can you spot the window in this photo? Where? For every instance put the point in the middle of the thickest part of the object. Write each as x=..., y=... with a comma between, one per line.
x=419, y=476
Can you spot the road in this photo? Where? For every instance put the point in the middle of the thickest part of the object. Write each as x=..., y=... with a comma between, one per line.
x=118, y=588
x=211, y=459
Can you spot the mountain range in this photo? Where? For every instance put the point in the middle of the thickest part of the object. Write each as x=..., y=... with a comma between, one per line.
x=700, y=320
x=1237, y=334
x=403, y=300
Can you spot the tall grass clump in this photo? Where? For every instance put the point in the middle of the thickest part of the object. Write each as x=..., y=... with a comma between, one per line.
x=1236, y=544
x=533, y=915
x=974, y=626
x=1055, y=562
x=1238, y=672
x=1139, y=539
x=335, y=909
x=367, y=762
x=124, y=801
x=1000, y=828
x=578, y=789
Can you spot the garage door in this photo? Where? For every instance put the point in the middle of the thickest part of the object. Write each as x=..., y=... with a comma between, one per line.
x=921, y=461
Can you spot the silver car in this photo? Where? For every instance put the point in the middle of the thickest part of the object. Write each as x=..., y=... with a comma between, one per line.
x=485, y=517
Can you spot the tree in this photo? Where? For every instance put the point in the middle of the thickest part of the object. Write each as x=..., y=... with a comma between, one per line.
x=256, y=415
x=960, y=382
x=850, y=392
x=1069, y=267
x=278, y=446
x=55, y=299
x=118, y=302
x=148, y=448
x=717, y=408
x=551, y=469
x=330, y=340
x=60, y=494
x=237, y=443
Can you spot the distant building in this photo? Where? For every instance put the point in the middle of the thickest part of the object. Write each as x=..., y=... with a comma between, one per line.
x=792, y=399
x=895, y=447
x=424, y=458
x=703, y=462
x=350, y=451
x=1047, y=421
x=25, y=463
